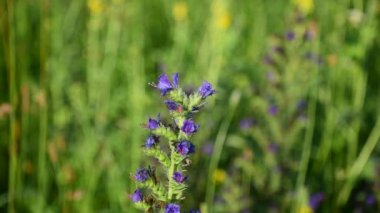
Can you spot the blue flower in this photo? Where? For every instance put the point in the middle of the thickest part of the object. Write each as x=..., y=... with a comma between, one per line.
x=189, y=127
x=153, y=124
x=185, y=148
x=273, y=110
x=172, y=208
x=175, y=80
x=164, y=84
x=171, y=105
x=137, y=196
x=316, y=199
x=208, y=148
x=151, y=141
x=179, y=177
x=247, y=123
x=370, y=200
x=142, y=175
x=290, y=36
x=206, y=90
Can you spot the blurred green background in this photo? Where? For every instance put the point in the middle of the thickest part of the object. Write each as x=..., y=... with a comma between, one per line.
x=294, y=126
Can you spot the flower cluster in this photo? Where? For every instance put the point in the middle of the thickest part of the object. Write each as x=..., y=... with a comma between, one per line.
x=164, y=193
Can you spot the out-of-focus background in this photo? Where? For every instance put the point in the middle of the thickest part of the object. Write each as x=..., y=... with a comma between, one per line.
x=294, y=126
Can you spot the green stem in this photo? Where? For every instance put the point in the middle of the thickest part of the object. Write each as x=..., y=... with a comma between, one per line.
x=12, y=95
x=306, y=149
x=359, y=164
x=171, y=172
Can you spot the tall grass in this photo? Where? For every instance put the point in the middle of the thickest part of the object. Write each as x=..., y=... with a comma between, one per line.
x=75, y=74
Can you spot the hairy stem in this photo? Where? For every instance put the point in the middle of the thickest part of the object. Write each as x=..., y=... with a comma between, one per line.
x=171, y=172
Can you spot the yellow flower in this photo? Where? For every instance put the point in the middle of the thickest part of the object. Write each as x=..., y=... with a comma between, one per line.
x=224, y=21
x=95, y=6
x=179, y=11
x=221, y=15
x=306, y=6
x=305, y=209
x=219, y=175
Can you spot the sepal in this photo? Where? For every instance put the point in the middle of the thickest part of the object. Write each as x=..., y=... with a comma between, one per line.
x=142, y=205
x=157, y=189
x=165, y=132
x=159, y=155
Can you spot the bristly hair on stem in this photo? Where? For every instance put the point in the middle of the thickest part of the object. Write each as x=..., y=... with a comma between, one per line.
x=164, y=194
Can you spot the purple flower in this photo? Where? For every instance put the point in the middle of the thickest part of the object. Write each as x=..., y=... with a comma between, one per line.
x=172, y=208
x=246, y=123
x=137, y=196
x=142, y=175
x=164, y=84
x=370, y=200
x=185, y=148
x=206, y=90
x=179, y=177
x=151, y=141
x=273, y=147
x=273, y=110
x=208, y=148
x=153, y=124
x=171, y=105
x=316, y=199
x=290, y=36
x=175, y=80
x=189, y=127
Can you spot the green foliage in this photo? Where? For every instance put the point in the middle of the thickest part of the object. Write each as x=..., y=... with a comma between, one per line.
x=73, y=93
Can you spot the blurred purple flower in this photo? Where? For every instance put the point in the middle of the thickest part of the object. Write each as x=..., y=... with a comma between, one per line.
x=189, y=127
x=151, y=141
x=142, y=175
x=137, y=196
x=206, y=89
x=185, y=148
x=172, y=208
x=247, y=123
x=273, y=147
x=179, y=177
x=370, y=200
x=208, y=148
x=290, y=36
x=171, y=105
x=316, y=199
x=273, y=110
x=301, y=105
